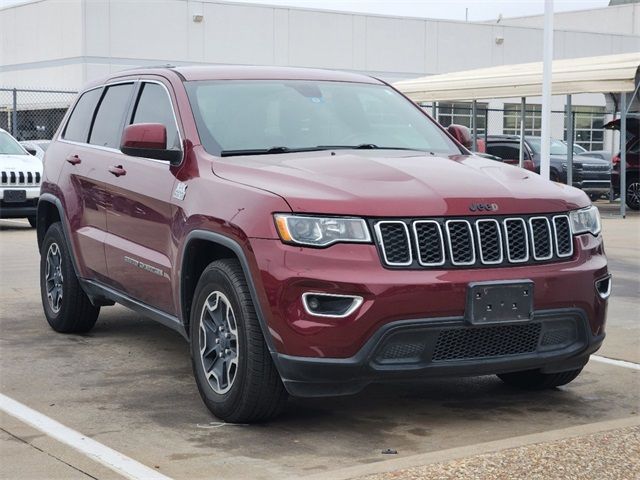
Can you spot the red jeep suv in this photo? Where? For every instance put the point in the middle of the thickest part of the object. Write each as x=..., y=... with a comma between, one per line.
x=311, y=232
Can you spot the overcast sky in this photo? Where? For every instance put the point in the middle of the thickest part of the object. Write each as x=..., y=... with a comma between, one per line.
x=447, y=9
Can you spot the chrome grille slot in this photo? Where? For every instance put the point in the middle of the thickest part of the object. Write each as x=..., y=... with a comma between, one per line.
x=541, y=238
x=562, y=234
x=429, y=242
x=517, y=240
x=479, y=241
x=394, y=240
x=489, y=241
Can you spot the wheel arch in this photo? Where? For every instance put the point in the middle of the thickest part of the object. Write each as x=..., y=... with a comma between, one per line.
x=49, y=211
x=200, y=249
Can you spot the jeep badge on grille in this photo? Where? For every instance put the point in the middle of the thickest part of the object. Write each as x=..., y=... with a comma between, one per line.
x=483, y=207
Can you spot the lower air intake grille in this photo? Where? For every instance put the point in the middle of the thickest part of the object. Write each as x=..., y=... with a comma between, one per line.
x=495, y=341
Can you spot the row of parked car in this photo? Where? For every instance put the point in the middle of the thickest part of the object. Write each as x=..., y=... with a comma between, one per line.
x=595, y=172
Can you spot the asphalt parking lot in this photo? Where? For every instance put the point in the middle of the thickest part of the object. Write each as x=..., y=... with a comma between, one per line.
x=128, y=385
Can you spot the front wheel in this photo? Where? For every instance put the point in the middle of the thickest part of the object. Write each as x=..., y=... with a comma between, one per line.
x=535, y=380
x=235, y=374
x=32, y=221
x=633, y=194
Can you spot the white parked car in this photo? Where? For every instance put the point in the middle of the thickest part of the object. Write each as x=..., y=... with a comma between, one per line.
x=20, y=177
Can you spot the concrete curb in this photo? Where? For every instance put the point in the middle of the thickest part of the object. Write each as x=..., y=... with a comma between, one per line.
x=473, y=450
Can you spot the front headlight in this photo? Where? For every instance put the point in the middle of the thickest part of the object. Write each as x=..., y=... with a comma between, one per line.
x=585, y=220
x=321, y=231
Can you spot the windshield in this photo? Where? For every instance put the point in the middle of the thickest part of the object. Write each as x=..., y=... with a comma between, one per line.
x=557, y=147
x=243, y=117
x=9, y=146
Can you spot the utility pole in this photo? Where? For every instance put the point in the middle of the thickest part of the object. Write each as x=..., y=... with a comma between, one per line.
x=547, y=65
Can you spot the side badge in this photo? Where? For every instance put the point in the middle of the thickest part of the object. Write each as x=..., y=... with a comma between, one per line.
x=180, y=191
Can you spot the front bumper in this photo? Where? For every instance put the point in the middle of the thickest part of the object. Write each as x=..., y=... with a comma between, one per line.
x=283, y=273
x=24, y=209
x=553, y=341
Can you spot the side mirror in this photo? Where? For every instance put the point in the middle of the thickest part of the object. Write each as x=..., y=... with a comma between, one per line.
x=31, y=151
x=148, y=140
x=461, y=133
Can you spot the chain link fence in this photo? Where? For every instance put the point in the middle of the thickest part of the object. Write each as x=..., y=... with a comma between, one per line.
x=33, y=114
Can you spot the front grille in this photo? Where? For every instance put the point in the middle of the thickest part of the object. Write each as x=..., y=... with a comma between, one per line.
x=477, y=241
x=12, y=178
x=495, y=341
x=460, y=241
x=396, y=245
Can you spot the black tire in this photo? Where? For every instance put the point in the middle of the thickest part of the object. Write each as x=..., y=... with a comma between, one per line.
x=594, y=197
x=534, y=380
x=633, y=193
x=254, y=390
x=32, y=221
x=74, y=313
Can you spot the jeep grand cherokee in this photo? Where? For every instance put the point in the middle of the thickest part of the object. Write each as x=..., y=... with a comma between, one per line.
x=310, y=232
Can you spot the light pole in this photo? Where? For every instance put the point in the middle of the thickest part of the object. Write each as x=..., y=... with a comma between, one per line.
x=547, y=62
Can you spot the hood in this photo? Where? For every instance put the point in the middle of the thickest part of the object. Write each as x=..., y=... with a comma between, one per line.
x=398, y=183
x=20, y=163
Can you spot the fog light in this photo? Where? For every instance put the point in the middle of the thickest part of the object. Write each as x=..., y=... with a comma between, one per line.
x=603, y=287
x=330, y=305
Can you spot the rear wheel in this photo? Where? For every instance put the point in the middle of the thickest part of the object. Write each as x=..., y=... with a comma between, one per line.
x=633, y=194
x=232, y=365
x=535, y=380
x=66, y=306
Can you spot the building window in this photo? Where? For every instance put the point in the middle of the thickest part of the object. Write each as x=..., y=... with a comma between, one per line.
x=588, y=131
x=532, y=119
x=460, y=114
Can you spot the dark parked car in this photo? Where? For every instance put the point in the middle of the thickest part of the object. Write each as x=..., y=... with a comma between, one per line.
x=310, y=232
x=592, y=175
x=632, y=190
x=580, y=150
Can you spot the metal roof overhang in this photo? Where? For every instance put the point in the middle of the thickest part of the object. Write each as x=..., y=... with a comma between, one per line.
x=605, y=74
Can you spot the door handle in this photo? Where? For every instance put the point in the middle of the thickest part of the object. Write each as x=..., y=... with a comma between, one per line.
x=117, y=170
x=73, y=159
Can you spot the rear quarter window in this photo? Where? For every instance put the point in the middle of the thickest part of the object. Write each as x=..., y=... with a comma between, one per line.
x=77, y=128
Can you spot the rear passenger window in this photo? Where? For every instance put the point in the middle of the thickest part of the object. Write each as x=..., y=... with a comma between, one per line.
x=154, y=106
x=107, y=127
x=77, y=128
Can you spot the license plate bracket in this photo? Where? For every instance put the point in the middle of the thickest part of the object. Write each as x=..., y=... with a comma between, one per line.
x=15, y=196
x=499, y=302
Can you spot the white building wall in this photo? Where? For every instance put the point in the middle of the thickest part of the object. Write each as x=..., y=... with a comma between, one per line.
x=77, y=40
x=621, y=19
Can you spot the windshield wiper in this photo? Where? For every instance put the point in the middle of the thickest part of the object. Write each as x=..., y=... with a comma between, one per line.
x=283, y=149
x=268, y=151
x=366, y=146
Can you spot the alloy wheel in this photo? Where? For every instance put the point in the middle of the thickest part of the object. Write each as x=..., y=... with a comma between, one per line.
x=219, y=342
x=54, y=279
x=633, y=194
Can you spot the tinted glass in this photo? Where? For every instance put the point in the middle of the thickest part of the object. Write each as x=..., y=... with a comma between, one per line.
x=239, y=115
x=9, y=146
x=107, y=127
x=505, y=152
x=77, y=128
x=154, y=107
x=556, y=147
